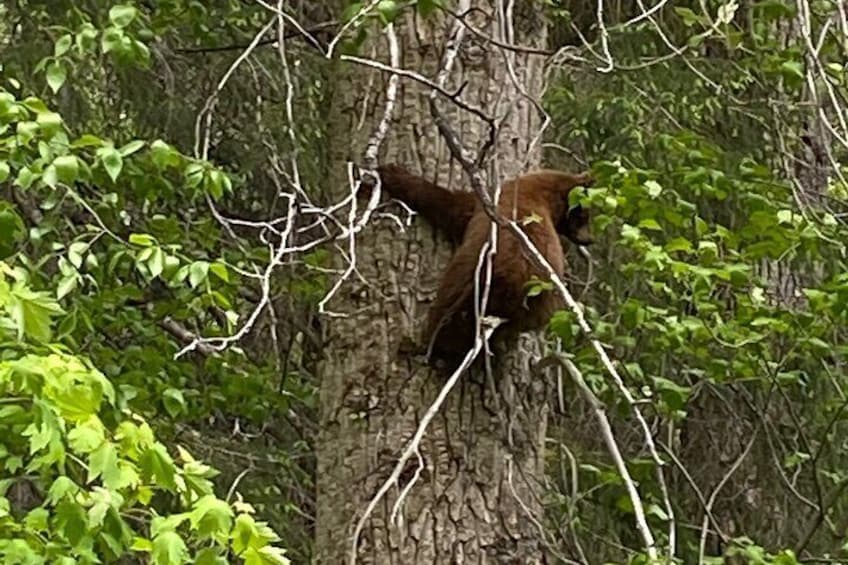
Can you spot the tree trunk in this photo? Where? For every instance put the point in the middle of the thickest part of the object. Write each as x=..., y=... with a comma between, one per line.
x=475, y=497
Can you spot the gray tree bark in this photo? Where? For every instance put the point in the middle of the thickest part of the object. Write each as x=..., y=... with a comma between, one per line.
x=475, y=498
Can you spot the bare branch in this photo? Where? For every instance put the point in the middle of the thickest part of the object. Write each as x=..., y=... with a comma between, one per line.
x=615, y=453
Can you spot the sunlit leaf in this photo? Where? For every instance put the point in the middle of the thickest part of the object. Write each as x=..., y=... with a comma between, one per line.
x=32, y=312
x=131, y=148
x=62, y=45
x=198, y=271
x=211, y=516
x=56, y=75
x=122, y=14
x=169, y=549
x=67, y=168
x=220, y=271
x=112, y=161
x=142, y=239
x=86, y=38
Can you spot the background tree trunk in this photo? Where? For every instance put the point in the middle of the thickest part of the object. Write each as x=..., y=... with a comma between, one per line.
x=476, y=498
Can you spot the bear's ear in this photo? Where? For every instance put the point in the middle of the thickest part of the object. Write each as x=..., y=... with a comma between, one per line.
x=565, y=183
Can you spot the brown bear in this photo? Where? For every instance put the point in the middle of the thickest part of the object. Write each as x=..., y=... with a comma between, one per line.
x=539, y=203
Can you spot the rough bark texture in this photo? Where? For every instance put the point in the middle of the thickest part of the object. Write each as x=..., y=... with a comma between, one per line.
x=476, y=499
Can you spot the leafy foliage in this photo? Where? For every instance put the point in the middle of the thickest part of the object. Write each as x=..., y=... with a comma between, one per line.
x=86, y=481
x=719, y=287
x=722, y=291
x=104, y=212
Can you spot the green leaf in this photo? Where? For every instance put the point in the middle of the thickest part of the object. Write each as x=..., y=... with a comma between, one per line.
x=169, y=549
x=388, y=10
x=141, y=53
x=103, y=500
x=32, y=312
x=174, y=401
x=654, y=188
x=122, y=14
x=673, y=394
x=142, y=239
x=7, y=102
x=198, y=271
x=37, y=105
x=209, y=556
x=211, y=517
x=792, y=69
x=131, y=148
x=86, y=39
x=87, y=436
x=708, y=247
x=243, y=532
x=56, y=75
x=216, y=183
x=71, y=521
x=163, y=155
x=650, y=224
x=50, y=176
x=168, y=523
x=87, y=140
x=536, y=286
x=103, y=462
x=62, y=487
x=66, y=286
x=220, y=271
x=678, y=244
x=111, y=40
x=250, y=540
x=265, y=555
x=67, y=168
x=156, y=263
x=112, y=161
x=351, y=11
x=157, y=464
x=141, y=544
x=222, y=300
x=75, y=251
x=688, y=16
x=562, y=325
x=5, y=171
x=172, y=263
x=784, y=216
x=26, y=131
x=41, y=436
x=49, y=122
x=834, y=69
x=12, y=230
x=36, y=520
x=194, y=174
x=62, y=45
x=25, y=178
x=427, y=7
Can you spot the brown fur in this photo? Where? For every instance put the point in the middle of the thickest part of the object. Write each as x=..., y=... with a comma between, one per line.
x=539, y=202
